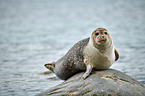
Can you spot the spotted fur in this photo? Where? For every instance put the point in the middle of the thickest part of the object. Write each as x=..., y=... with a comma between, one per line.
x=71, y=63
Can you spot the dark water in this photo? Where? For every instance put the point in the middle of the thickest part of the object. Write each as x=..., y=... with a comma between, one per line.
x=33, y=32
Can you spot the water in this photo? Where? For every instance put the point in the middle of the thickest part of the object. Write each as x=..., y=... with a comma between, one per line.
x=33, y=32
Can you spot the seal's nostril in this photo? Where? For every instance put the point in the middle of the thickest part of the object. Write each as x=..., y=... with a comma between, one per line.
x=102, y=36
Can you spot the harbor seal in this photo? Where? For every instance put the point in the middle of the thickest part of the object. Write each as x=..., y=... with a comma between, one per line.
x=96, y=52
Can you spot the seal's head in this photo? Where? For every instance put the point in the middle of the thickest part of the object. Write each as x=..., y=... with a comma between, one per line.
x=101, y=37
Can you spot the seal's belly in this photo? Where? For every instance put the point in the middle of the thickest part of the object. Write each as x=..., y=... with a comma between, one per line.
x=101, y=63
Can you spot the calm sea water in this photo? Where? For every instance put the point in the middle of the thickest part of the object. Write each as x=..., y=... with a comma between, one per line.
x=34, y=32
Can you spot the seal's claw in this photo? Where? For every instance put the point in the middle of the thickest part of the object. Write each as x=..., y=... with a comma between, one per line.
x=85, y=76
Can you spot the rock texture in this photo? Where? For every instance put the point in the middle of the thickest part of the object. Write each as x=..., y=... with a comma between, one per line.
x=100, y=83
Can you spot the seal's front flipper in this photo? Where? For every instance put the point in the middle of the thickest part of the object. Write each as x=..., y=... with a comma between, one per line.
x=50, y=66
x=116, y=55
x=88, y=71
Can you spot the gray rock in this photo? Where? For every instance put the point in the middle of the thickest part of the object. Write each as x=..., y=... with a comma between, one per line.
x=100, y=83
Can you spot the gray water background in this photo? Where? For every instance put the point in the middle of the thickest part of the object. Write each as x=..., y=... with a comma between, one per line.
x=34, y=32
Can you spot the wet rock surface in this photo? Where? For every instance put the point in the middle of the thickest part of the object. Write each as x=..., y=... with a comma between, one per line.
x=107, y=82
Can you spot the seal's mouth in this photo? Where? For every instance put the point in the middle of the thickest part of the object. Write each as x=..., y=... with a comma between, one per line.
x=102, y=41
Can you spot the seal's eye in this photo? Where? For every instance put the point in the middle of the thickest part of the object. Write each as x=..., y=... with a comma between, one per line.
x=105, y=33
x=96, y=34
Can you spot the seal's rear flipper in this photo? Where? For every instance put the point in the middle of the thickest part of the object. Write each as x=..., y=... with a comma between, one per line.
x=50, y=66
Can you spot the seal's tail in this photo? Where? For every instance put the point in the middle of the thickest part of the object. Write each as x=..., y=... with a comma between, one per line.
x=50, y=66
